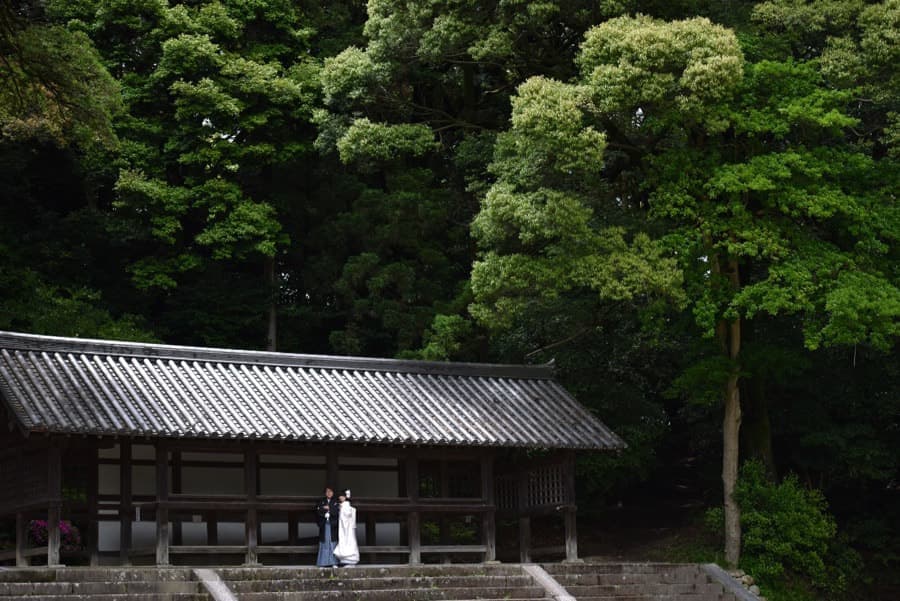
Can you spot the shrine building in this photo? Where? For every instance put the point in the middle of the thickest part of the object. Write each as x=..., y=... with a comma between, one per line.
x=168, y=455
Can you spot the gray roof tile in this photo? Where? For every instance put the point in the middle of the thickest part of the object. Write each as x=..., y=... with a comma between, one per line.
x=99, y=387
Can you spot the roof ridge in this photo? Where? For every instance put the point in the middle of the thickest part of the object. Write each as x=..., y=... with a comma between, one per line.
x=40, y=342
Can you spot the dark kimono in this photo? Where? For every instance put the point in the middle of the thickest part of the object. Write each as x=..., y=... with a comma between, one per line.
x=328, y=530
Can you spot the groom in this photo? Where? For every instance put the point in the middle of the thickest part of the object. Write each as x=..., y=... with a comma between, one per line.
x=327, y=518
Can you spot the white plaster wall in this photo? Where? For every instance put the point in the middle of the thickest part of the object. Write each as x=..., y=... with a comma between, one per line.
x=143, y=535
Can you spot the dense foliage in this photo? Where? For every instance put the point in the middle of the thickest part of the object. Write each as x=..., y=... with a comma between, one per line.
x=789, y=537
x=690, y=206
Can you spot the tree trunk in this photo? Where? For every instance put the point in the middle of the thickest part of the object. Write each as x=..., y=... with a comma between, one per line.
x=273, y=298
x=731, y=428
x=729, y=335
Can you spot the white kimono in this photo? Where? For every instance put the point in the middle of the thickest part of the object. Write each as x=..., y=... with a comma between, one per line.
x=347, y=550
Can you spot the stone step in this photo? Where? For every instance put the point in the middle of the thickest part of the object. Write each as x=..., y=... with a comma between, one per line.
x=581, y=591
x=379, y=582
x=614, y=579
x=689, y=597
x=617, y=568
x=98, y=588
x=431, y=594
x=114, y=597
x=149, y=574
x=286, y=573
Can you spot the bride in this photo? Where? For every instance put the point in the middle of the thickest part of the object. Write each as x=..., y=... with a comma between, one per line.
x=346, y=551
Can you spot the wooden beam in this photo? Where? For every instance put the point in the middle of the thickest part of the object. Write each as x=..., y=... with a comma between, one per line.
x=162, y=511
x=54, y=511
x=488, y=518
x=251, y=483
x=30, y=552
x=125, y=501
x=229, y=503
x=453, y=549
x=197, y=549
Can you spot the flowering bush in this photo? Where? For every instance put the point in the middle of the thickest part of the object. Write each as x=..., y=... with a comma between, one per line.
x=69, y=536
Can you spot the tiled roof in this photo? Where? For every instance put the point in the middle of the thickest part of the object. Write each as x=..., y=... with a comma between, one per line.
x=98, y=387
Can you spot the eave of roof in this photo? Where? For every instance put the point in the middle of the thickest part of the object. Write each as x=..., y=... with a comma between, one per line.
x=100, y=387
x=37, y=342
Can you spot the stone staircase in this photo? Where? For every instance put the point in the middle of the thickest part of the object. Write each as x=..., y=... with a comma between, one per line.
x=456, y=582
x=100, y=584
x=394, y=583
x=638, y=582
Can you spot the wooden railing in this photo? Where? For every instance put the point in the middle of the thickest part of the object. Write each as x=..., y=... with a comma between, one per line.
x=251, y=508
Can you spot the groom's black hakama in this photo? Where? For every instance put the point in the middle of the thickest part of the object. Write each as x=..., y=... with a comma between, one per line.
x=328, y=518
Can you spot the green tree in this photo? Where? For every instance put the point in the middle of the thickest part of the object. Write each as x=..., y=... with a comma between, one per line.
x=743, y=176
x=53, y=86
x=219, y=98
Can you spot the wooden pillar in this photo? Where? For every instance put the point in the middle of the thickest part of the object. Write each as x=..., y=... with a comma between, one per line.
x=571, y=537
x=413, y=518
x=488, y=518
x=177, y=537
x=415, y=547
x=212, y=528
x=524, y=539
x=21, y=540
x=570, y=525
x=252, y=520
x=162, y=497
x=54, y=514
x=292, y=535
x=370, y=529
x=93, y=485
x=126, y=510
x=54, y=511
x=21, y=518
x=524, y=519
x=443, y=525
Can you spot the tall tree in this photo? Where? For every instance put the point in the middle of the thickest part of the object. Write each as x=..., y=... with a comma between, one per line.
x=743, y=175
x=219, y=101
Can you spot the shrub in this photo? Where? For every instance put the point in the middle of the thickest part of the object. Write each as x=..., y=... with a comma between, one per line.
x=69, y=536
x=786, y=527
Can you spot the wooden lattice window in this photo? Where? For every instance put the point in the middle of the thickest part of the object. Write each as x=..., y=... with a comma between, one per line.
x=547, y=486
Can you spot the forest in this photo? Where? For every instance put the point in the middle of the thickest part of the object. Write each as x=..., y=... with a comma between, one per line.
x=690, y=207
